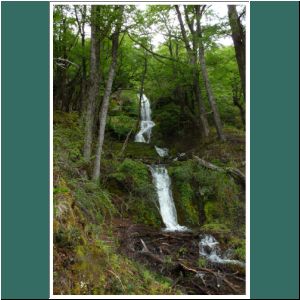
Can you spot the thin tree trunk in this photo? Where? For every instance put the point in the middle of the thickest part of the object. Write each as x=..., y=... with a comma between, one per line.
x=202, y=110
x=141, y=91
x=81, y=26
x=105, y=101
x=193, y=61
x=211, y=98
x=238, y=37
x=94, y=84
x=64, y=70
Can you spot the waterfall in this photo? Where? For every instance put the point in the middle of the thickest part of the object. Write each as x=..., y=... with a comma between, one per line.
x=162, y=152
x=168, y=212
x=144, y=135
x=159, y=173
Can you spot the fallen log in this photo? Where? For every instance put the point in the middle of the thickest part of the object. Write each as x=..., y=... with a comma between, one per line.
x=233, y=172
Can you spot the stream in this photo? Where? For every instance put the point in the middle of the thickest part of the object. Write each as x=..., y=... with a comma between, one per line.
x=146, y=242
x=168, y=211
x=161, y=179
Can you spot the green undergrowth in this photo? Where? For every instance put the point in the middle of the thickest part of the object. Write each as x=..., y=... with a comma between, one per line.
x=85, y=252
x=132, y=180
x=86, y=256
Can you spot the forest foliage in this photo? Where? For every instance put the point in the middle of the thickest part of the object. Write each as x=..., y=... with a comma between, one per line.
x=104, y=58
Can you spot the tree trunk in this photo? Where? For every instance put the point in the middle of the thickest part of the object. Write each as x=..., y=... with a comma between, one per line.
x=141, y=91
x=211, y=98
x=94, y=83
x=198, y=94
x=64, y=97
x=233, y=172
x=238, y=37
x=107, y=92
x=193, y=61
x=81, y=26
x=236, y=96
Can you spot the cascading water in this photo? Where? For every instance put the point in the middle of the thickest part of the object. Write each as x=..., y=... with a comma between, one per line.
x=168, y=212
x=144, y=135
x=162, y=152
x=209, y=248
x=159, y=173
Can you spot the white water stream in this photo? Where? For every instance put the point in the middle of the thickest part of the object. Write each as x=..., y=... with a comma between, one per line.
x=144, y=135
x=159, y=173
x=168, y=212
x=208, y=245
x=209, y=248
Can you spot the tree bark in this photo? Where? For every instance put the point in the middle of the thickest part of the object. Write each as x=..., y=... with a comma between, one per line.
x=211, y=98
x=141, y=91
x=107, y=92
x=236, y=96
x=193, y=61
x=81, y=26
x=238, y=37
x=94, y=83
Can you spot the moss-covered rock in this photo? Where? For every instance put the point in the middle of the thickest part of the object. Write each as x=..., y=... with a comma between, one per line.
x=135, y=151
x=204, y=196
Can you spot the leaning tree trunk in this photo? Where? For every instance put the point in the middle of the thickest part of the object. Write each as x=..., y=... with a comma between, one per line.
x=105, y=101
x=193, y=61
x=94, y=84
x=211, y=98
x=238, y=37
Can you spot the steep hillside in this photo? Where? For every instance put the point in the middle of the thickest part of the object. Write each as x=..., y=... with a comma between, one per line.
x=93, y=223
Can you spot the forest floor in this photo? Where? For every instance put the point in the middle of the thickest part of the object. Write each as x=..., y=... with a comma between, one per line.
x=175, y=255
x=102, y=244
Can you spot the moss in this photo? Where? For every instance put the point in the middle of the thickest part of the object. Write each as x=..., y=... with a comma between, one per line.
x=98, y=269
x=135, y=151
x=239, y=246
x=141, y=199
x=143, y=212
x=206, y=196
x=221, y=231
x=186, y=205
x=211, y=211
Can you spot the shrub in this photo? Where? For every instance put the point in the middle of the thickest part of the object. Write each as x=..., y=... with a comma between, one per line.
x=121, y=125
x=166, y=118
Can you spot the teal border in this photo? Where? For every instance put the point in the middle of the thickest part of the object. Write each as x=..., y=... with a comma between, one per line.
x=274, y=150
x=25, y=149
